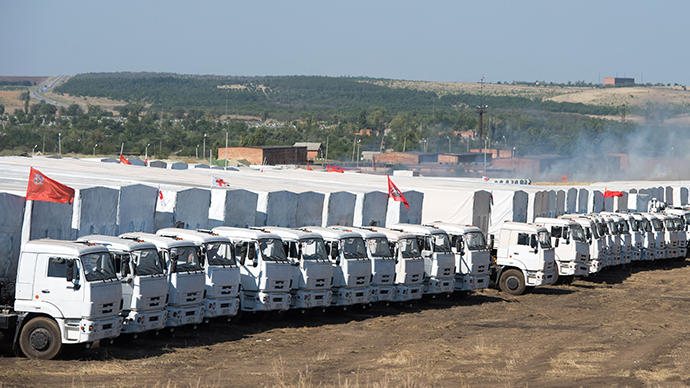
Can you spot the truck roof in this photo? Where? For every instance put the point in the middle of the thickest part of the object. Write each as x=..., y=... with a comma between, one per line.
x=522, y=227
x=331, y=234
x=418, y=229
x=392, y=235
x=159, y=241
x=454, y=228
x=243, y=233
x=62, y=247
x=115, y=243
x=290, y=234
x=196, y=236
x=554, y=221
x=365, y=233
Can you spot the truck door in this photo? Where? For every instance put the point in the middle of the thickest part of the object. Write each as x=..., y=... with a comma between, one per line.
x=522, y=251
x=55, y=289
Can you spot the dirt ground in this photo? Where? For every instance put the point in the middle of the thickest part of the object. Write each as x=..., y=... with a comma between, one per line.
x=626, y=327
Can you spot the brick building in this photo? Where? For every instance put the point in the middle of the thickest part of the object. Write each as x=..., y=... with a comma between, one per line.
x=269, y=155
x=615, y=81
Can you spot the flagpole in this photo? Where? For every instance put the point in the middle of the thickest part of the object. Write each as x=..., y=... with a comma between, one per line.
x=122, y=147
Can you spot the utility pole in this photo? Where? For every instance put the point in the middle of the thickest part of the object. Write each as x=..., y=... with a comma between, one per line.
x=226, y=149
x=481, y=109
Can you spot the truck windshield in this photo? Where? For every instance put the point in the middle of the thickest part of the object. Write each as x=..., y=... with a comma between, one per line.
x=594, y=231
x=379, y=247
x=645, y=225
x=624, y=227
x=272, y=250
x=544, y=240
x=147, y=262
x=353, y=248
x=613, y=228
x=98, y=266
x=668, y=223
x=220, y=254
x=185, y=259
x=578, y=233
x=409, y=248
x=634, y=225
x=313, y=249
x=441, y=242
x=658, y=226
x=602, y=229
x=678, y=224
x=475, y=241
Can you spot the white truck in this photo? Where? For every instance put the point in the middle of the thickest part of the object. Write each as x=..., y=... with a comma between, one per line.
x=382, y=263
x=64, y=293
x=312, y=273
x=439, y=260
x=674, y=236
x=185, y=278
x=472, y=256
x=265, y=271
x=523, y=258
x=684, y=215
x=644, y=227
x=409, y=264
x=570, y=248
x=597, y=244
x=141, y=272
x=351, y=266
x=631, y=226
x=222, y=274
x=659, y=235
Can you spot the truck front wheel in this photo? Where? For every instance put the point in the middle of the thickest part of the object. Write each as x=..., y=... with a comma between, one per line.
x=40, y=338
x=512, y=281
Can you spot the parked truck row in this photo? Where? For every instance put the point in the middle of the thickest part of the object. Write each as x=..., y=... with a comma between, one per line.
x=97, y=288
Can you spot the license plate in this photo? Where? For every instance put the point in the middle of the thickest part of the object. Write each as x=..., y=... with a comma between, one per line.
x=108, y=333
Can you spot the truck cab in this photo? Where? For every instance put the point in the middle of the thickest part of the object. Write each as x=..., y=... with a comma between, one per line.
x=439, y=260
x=222, y=274
x=65, y=293
x=659, y=232
x=674, y=228
x=597, y=247
x=620, y=228
x=312, y=273
x=611, y=258
x=684, y=215
x=472, y=256
x=409, y=264
x=648, y=251
x=185, y=278
x=382, y=263
x=141, y=272
x=524, y=258
x=570, y=247
x=265, y=271
x=632, y=226
x=352, y=275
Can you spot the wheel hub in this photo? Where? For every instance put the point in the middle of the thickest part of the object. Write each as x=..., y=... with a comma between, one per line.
x=513, y=283
x=40, y=339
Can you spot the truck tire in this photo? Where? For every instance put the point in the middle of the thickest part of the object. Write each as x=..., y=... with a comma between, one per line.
x=40, y=338
x=512, y=281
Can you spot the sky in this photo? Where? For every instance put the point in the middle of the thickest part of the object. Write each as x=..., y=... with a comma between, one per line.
x=448, y=41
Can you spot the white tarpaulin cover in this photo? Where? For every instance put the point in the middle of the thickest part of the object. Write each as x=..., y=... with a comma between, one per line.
x=277, y=208
x=48, y=220
x=621, y=203
x=571, y=201
x=582, y=201
x=339, y=209
x=310, y=206
x=508, y=206
x=95, y=212
x=11, y=218
x=136, y=209
x=680, y=196
x=560, y=202
x=191, y=208
x=232, y=208
x=398, y=213
x=371, y=208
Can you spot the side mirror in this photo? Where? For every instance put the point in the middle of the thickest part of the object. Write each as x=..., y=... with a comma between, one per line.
x=555, y=245
x=255, y=262
x=491, y=242
x=69, y=272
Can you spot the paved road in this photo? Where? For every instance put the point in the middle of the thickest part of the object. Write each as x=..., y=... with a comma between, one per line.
x=47, y=87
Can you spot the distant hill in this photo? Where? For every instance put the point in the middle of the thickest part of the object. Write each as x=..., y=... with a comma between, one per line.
x=288, y=96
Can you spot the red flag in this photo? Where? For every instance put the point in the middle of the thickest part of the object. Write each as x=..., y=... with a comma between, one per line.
x=42, y=188
x=565, y=178
x=611, y=194
x=308, y=168
x=218, y=182
x=394, y=193
x=123, y=160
